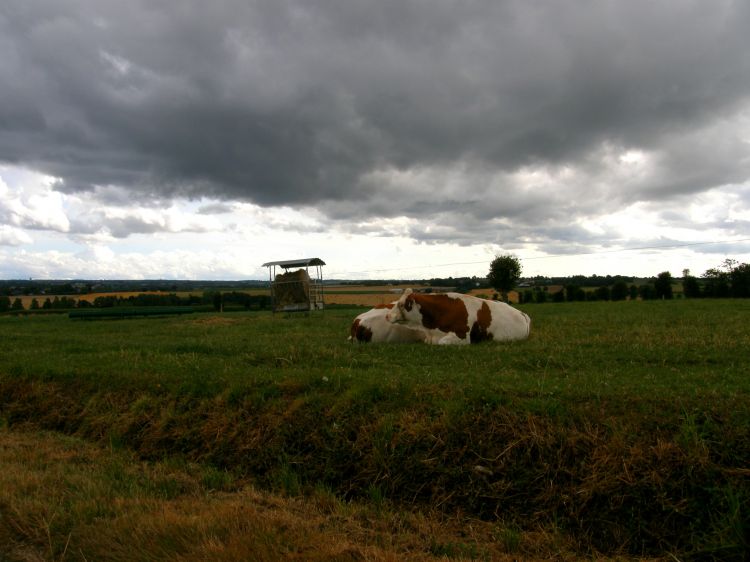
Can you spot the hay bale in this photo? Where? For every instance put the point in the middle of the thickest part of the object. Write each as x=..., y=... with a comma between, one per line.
x=292, y=288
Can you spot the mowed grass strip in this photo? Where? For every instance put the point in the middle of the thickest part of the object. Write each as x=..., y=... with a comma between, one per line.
x=587, y=351
x=626, y=424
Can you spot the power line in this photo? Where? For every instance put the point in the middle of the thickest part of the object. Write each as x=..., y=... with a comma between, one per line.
x=551, y=256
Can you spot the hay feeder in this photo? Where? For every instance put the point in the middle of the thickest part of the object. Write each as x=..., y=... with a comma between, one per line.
x=298, y=290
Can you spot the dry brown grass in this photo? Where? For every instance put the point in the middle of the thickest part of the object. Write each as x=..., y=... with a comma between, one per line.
x=363, y=300
x=353, y=298
x=383, y=294
x=65, y=499
x=362, y=295
x=334, y=294
x=375, y=288
x=90, y=297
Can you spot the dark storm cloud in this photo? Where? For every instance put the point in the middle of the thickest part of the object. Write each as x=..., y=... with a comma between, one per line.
x=313, y=103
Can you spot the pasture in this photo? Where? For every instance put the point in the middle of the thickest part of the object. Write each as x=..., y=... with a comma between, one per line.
x=618, y=428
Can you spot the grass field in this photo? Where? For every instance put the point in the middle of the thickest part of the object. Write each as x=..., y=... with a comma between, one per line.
x=617, y=428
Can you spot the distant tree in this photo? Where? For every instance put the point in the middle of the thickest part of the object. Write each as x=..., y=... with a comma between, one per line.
x=647, y=291
x=574, y=293
x=729, y=264
x=505, y=271
x=217, y=299
x=105, y=301
x=740, y=278
x=619, y=291
x=34, y=304
x=540, y=296
x=691, y=289
x=66, y=302
x=602, y=293
x=4, y=304
x=633, y=292
x=663, y=285
x=716, y=283
x=730, y=279
x=17, y=304
x=570, y=292
x=65, y=289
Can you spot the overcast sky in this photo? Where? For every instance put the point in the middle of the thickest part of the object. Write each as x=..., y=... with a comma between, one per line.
x=391, y=138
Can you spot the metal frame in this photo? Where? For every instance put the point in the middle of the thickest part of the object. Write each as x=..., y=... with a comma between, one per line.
x=315, y=293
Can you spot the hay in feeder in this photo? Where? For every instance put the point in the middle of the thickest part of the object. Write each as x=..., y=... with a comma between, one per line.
x=292, y=288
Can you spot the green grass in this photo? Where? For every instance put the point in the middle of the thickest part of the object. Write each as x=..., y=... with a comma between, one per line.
x=576, y=351
x=685, y=352
x=627, y=423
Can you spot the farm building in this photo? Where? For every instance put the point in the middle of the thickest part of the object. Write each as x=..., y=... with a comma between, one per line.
x=300, y=289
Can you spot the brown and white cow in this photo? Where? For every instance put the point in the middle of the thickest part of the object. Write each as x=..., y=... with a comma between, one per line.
x=372, y=327
x=453, y=318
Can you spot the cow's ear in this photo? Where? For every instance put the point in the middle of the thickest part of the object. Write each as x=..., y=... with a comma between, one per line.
x=408, y=291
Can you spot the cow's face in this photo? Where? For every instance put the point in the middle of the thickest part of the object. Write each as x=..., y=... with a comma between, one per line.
x=404, y=309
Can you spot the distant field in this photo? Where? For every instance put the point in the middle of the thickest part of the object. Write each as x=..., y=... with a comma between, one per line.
x=90, y=297
x=334, y=294
x=619, y=428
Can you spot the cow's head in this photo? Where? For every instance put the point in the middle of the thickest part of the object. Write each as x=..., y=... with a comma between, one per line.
x=404, y=310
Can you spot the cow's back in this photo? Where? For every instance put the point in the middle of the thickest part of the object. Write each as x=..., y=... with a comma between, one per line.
x=492, y=320
x=508, y=323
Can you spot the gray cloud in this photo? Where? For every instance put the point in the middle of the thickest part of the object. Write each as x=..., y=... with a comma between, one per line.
x=215, y=209
x=380, y=109
x=98, y=222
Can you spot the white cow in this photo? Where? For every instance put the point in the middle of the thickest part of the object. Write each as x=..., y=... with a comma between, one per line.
x=372, y=326
x=453, y=318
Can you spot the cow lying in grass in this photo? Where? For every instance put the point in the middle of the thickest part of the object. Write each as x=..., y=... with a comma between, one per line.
x=372, y=327
x=453, y=318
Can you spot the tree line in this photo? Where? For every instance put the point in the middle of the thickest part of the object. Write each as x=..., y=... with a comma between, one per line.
x=217, y=300
x=730, y=280
x=51, y=287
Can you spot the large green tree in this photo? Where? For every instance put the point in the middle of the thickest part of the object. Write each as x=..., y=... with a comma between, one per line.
x=505, y=271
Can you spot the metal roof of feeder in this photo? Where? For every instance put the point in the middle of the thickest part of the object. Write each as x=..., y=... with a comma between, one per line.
x=286, y=264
